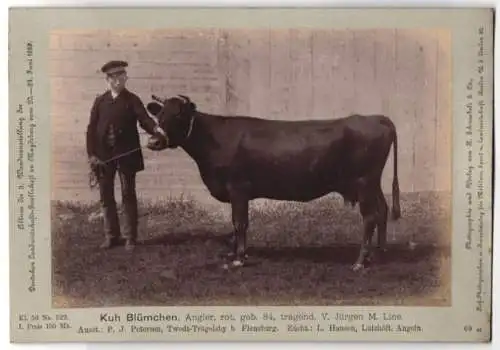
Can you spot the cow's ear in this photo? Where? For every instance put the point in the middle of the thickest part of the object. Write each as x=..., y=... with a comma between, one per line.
x=154, y=108
x=192, y=105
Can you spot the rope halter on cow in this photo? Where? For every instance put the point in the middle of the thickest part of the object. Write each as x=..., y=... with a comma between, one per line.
x=191, y=121
x=186, y=102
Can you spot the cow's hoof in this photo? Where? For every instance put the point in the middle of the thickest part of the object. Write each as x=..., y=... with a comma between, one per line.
x=234, y=264
x=232, y=255
x=357, y=267
x=382, y=251
x=237, y=263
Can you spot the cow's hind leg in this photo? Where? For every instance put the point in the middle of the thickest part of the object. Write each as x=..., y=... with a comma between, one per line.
x=368, y=208
x=383, y=210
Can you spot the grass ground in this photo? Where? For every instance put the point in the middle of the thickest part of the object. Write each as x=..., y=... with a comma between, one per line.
x=299, y=254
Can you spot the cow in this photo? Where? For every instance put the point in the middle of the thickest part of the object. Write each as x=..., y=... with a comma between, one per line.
x=241, y=158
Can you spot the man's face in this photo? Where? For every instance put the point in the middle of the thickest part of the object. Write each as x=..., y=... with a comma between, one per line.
x=116, y=80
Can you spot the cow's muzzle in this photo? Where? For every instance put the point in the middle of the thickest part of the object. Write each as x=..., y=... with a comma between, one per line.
x=157, y=143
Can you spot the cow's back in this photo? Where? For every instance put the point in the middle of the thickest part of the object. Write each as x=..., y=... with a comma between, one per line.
x=295, y=160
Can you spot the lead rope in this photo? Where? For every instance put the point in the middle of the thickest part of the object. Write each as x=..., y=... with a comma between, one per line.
x=94, y=178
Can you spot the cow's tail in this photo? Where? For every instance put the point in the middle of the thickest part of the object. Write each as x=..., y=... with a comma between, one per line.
x=396, y=209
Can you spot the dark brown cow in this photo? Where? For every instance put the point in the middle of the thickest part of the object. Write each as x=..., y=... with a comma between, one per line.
x=244, y=158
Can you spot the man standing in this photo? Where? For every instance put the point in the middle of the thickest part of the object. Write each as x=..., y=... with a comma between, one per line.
x=113, y=145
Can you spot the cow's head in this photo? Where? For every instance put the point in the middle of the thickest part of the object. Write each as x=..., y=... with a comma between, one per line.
x=175, y=116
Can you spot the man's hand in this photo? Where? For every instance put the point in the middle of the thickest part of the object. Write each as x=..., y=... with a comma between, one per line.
x=95, y=162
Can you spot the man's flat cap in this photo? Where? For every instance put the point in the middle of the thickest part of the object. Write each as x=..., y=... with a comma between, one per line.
x=113, y=65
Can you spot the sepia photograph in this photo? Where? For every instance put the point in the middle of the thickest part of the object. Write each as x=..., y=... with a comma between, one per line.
x=251, y=174
x=251, y=167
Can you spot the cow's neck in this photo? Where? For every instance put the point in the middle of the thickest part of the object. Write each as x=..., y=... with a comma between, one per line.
x=195, y=137
x=201, y=140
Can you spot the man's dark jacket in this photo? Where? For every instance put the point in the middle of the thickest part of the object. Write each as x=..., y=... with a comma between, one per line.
x=123, y=112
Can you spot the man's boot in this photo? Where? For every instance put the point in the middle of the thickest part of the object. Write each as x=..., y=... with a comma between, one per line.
x=109, y=242
x=130, y=244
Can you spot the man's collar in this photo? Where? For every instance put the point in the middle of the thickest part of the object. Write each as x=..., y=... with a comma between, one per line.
x=111, y=95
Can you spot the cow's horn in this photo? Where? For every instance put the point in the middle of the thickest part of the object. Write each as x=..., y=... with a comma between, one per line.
x=157, y=99
x=186, y=99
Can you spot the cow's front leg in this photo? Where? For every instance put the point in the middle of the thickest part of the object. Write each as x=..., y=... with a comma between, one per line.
x=231, y=242
x=239, y=210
